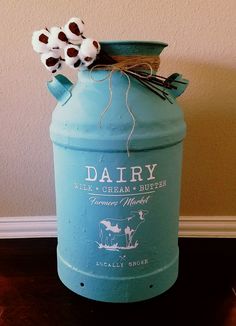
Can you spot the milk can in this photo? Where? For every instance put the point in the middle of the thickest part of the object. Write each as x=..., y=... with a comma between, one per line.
x=117, y=180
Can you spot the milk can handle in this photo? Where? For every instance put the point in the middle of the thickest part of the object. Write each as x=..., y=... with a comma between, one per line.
x=60, y=87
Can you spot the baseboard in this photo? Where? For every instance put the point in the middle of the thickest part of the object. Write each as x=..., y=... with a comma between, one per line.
x=189, y=226
x=207, y=226
x=28, y=227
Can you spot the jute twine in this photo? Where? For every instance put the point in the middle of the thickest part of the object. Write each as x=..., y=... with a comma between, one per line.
x=128, y=66
x=123, y=62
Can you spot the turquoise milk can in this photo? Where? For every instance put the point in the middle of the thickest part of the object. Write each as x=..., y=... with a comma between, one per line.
x=117, y=191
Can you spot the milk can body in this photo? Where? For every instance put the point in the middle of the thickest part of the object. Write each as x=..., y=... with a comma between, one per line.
x=117, y=194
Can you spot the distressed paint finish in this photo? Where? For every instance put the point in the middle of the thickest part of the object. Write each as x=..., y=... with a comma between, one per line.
x=117, y=214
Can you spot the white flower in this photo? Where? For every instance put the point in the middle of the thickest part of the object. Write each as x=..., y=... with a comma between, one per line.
x=51, y=61
x=40, y=41
x=89, y=50
x=57, y=39
x=74, y=29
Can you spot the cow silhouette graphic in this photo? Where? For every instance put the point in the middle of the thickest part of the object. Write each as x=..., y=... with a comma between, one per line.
x=118, y=234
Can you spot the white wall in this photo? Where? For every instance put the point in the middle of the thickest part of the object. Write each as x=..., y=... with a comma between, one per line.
x=201, y=38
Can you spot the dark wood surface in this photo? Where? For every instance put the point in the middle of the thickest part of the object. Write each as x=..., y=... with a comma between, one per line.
x=32, y=294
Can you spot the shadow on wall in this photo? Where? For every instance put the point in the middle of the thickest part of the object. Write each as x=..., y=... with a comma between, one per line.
x=209, y=174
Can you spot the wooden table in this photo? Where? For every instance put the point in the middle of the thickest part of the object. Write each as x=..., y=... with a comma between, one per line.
x=32, y=294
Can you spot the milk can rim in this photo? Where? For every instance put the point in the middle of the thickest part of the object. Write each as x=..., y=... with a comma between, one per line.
x=129, y=48
x=130, y=42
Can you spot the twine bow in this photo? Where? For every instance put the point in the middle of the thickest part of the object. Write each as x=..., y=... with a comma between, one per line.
x=126, y=70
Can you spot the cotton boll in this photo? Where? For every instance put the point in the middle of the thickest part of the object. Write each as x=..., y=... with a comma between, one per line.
x=86, y=60
x=40, y=41
x=76, y=65
x=71, y=54
x=90, y=46
x=58, y=39
x=74, y=29
x=51, y=61
x=97, y=46
x=88, y=51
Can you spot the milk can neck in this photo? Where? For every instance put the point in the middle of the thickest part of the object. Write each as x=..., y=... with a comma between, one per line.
x=97, y=75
